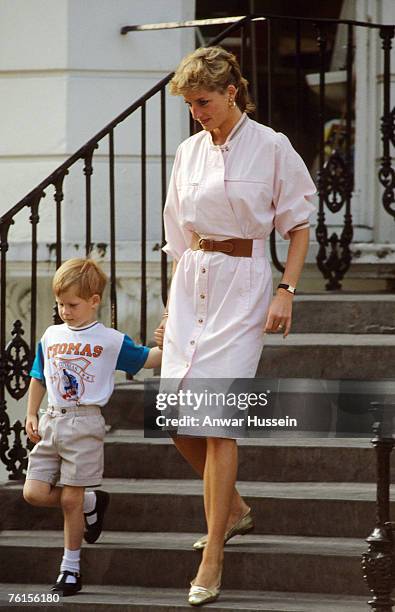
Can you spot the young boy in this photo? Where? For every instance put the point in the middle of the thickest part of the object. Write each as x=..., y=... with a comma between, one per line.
x=75, y=364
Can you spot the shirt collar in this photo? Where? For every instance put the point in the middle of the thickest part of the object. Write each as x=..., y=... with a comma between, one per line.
x=82, y=328
x=237, y=128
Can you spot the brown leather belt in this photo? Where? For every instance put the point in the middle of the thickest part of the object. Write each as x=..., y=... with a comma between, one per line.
x=236, y=247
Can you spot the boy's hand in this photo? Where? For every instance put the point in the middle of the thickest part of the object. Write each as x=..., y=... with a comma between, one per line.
x=154, y=358
x=31, y=427
x=159, y=333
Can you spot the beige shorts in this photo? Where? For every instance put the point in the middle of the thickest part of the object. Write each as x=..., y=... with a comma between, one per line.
x=71, y=449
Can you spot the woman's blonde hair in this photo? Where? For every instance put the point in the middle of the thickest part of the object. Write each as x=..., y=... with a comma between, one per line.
x=213, y=69
x=84, y=275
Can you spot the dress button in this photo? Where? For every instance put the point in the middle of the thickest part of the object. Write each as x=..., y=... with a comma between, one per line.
x=63, y=410
x=192, y=342
x=200, y=320
x=202, y=296
x=203, y=270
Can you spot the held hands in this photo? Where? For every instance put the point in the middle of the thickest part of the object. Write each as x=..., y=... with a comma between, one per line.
x=159, y=333
x=279, y=317
x=31, y=427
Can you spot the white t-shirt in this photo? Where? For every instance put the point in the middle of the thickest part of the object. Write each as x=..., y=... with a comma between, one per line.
x=77, y=365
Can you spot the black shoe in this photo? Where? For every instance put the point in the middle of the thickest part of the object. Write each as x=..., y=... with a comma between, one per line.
x=67, y=588
x=93, y=531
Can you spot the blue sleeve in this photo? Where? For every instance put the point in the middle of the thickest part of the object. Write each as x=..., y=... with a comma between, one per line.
x=37, y=370
x=131, y=357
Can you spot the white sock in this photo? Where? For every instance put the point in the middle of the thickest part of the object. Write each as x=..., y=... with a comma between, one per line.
x=89, y=506
x=71, y=563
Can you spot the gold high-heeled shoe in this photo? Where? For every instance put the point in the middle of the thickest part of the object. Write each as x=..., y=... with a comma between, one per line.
x=243, y=526
x=198, y=595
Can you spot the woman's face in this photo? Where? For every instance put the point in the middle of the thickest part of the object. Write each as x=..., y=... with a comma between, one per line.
x=211, y=108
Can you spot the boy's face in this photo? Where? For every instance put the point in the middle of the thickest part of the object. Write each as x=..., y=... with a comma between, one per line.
x=74, y=310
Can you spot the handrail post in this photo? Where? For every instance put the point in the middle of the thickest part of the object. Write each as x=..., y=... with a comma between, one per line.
x=378, y=564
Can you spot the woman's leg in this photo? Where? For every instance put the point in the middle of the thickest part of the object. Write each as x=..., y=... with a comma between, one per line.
x=194, y=451
x=220, y=474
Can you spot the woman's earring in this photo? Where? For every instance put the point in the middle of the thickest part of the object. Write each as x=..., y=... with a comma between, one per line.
x=231, y=103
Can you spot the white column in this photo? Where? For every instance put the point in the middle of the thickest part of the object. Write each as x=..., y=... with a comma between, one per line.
x=367, y=203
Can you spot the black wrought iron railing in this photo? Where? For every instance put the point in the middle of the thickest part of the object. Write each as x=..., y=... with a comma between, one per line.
x=335, y=184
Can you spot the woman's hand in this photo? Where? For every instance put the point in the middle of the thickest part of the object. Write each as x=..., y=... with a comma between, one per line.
x=279, y=317
x=159, y=333
x=31, y=427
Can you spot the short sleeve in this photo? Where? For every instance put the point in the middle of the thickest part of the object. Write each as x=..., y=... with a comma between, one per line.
x=132, y=357
x=293, y=189
x=176, y=239
x=37, y=370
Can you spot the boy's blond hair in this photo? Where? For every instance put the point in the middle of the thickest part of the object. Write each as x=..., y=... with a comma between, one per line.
x=84, y=275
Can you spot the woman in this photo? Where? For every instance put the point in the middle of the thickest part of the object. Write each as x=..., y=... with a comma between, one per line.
x=231, y=183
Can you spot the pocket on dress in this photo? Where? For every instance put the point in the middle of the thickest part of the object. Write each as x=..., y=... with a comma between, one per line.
x=188, y=193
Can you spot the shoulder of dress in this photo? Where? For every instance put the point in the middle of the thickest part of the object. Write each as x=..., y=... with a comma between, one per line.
x=193, y=140
x=263, y=132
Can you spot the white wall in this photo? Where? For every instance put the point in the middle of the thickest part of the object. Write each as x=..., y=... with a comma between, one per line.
x=66, y=71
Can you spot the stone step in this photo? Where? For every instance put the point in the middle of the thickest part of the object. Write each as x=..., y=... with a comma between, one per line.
x=125, y=408
x=96, y=598
x=294, y=459
x=302, y=509
x=269, y=563
x=328, y=356
x=344, y=314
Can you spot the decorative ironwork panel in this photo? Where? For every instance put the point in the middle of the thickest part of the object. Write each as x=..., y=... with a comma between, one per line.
x=17, y=457
x=18, y=362
x=387, y=172
x=335, y=178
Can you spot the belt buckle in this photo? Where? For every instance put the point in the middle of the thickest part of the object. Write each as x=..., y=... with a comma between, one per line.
x=206, y=244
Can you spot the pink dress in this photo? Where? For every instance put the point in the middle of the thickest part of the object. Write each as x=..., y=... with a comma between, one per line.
x=218, y=304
